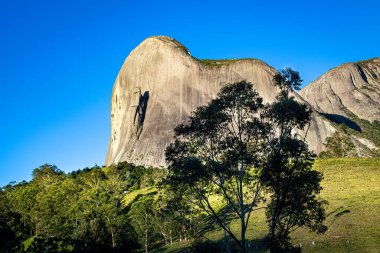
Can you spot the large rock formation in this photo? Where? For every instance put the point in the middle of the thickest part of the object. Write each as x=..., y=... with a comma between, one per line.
x=160, y=84
x=352, y=88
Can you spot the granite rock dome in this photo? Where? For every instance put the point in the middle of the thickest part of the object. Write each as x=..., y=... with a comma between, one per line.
x=160, y=84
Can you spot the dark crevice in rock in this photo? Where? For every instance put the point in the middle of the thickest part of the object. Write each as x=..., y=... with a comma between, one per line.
x=139, y=118
x=361, y=73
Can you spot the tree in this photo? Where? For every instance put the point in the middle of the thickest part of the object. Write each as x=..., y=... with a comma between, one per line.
x=51, y=202
x=97, y=217
x=166, y=217
x=339, y=144
x=176, y=217
x=10, y=226
x=220, y=153
x=142, y=217
x=112, y=210
x=288, y=174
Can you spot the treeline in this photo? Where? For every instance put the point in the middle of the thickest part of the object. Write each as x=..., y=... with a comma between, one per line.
x=87, y=211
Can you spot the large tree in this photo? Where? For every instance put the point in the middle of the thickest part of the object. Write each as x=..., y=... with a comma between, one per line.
x=219, y=153
x=288, y=175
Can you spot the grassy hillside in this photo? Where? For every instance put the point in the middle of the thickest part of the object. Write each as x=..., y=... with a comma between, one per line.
x=352, y=189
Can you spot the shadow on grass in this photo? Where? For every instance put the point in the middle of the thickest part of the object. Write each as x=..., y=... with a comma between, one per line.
x=205, y=245
x=338, y=212
x=226, y=246
x=226, y=214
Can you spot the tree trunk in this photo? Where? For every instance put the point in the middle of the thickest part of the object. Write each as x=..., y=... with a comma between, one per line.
x=112, y=233
x=242, y=218
x=273, y=229
x=165, y=236
x=226, y=239
x=146, y=241
x=113, y=239
x=146, y=233
x=242, y=232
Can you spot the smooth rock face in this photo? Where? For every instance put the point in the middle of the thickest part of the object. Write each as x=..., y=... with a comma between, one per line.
x=160, y=84
x=354, y=87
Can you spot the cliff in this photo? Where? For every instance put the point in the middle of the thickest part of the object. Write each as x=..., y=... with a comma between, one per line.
x=350, y=89
x=160, y=84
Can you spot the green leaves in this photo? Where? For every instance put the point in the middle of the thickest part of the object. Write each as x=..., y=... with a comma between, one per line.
x=80, y=211
x=339, y=145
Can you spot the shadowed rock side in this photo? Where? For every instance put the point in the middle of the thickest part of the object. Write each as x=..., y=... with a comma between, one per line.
x=354, y=87
x=160, y=84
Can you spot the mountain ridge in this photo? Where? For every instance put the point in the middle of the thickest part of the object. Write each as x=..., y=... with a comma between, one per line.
x=351, y=86
x=161, y=83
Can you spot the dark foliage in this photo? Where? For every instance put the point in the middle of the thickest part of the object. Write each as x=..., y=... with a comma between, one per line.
x=288, y=175
x=220, y=153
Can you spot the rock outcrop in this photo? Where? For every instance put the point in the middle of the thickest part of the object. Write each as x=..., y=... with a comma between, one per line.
x=160, y=84
x=350, y=89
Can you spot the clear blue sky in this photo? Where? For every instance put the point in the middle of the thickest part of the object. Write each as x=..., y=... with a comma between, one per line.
x=59, y=59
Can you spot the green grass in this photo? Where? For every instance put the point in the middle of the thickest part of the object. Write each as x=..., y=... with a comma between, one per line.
x=28, y=242
x=352, y=188
x=130, y=197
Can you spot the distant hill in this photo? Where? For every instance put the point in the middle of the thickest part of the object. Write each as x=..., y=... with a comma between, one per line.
x=352, y=88
x=350, y=95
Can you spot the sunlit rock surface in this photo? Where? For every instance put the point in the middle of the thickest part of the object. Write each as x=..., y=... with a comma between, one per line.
x=160, y=84
x=349, y=88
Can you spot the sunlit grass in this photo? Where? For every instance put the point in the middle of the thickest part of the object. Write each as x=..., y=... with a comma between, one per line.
x=130, y=197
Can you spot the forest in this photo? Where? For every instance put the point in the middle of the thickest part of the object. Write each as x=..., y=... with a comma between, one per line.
x=83, y=211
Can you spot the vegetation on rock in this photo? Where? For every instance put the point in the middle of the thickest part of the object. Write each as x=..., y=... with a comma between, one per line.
x=339, y=145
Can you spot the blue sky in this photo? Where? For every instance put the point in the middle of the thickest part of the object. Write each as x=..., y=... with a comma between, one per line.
x=59, y=59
